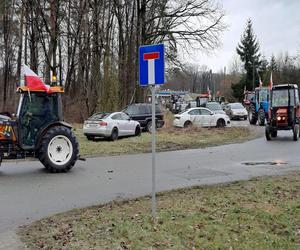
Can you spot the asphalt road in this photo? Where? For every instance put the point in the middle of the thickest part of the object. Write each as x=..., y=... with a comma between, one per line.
x=28, y=193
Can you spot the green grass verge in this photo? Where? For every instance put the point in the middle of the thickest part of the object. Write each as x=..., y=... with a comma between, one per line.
x=167, y=140
x=263, y=213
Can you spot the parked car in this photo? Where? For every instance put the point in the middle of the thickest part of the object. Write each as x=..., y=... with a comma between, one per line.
x=110, y=125
x=142, y=112
x=201, y=117
x=215, y=107
x=236, y=111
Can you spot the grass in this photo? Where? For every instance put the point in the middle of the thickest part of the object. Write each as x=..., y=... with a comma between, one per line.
x=168, y=139
x=263, y=213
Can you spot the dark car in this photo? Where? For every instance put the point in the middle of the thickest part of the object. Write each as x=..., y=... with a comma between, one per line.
x=142, y=113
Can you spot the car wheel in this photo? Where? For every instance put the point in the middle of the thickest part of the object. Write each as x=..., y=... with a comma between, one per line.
x=220, y=123
x=90, y=137
x=137, y=131
x=187, y=124
x=114, y=134
x=149, y=127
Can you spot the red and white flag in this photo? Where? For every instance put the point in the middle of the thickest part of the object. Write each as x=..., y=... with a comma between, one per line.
x=33, y=81
x=260, y=82
x=271, y=82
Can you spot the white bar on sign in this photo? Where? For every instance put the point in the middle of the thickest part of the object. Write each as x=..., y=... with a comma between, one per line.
x=151, y=71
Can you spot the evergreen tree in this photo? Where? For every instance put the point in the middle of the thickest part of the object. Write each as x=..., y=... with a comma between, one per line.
x=273, y=64
x=248, y=50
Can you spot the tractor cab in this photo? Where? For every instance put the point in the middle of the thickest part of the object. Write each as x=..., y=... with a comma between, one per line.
x=284, y=113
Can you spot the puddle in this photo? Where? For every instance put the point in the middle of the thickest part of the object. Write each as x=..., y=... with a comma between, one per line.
x=264, y=163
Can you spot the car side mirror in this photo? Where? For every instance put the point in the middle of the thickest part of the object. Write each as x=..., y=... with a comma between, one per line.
x=211, y=113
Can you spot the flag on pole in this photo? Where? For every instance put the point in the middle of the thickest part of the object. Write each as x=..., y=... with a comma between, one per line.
x=260, y=82
x=33, y=81
x=271, y=81
x=208, y=92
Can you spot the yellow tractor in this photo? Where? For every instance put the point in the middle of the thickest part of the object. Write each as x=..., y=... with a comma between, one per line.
x=38, y=131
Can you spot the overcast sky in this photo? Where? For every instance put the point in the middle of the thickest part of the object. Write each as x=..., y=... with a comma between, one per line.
x=276, y=24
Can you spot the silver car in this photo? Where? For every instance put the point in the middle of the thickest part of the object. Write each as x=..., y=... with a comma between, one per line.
x=110, y=125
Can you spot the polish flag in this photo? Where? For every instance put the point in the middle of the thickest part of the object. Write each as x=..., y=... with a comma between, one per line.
x=33, y=81
x=271, y=82
x=260, y=82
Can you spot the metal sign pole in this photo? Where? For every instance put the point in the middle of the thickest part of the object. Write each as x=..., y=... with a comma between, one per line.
x=153, y=152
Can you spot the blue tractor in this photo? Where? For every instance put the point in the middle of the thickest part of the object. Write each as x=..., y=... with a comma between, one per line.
x=259, y=106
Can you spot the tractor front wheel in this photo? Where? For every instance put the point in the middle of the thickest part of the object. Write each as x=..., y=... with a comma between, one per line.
x=296, y=132
x=58, y=149
x=261, y=117
x=268, y=133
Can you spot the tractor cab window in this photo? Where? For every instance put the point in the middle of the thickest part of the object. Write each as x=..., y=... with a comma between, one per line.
x=263, y=95
x=280, y=98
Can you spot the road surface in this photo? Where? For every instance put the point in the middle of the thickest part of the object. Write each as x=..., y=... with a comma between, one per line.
x=28, y=193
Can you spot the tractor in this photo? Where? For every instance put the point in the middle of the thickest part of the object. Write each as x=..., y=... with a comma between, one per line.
x=284, y=113
x=38, y=131
x=248, y=95
x=259, y=106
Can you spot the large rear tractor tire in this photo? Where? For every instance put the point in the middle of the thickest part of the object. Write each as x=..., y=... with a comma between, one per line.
x=268, y=133
x=261, y=117
x=252, y=115
x=296, y=132
x=58, y=150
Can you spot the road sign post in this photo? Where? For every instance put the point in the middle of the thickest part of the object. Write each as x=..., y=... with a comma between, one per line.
x=151, y=73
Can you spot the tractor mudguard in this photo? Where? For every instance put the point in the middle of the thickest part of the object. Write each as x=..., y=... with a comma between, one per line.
x=44, y=130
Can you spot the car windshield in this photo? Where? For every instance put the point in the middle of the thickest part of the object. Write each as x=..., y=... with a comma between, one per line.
x=236, y=106
x=99, y=116
x=214, y=106
x=280, y=98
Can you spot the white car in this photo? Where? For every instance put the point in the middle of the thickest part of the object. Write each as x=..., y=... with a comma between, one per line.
x=110, y=125
x=201, y=117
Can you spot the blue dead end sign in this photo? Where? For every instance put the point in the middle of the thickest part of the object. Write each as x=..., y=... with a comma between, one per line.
x=152, y=65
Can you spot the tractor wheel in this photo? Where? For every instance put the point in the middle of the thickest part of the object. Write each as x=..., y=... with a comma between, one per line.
x=296, y=132
x=58, y=150
x=252, y=115
x=137, y=131
x=114, y=134
x=261, y=117
x=268, y=133
x=274, y=133
x=220, y=123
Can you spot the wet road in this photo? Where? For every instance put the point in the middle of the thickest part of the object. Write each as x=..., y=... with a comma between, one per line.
x=28, y=193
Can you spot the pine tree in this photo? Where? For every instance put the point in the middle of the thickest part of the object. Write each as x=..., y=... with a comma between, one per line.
x=273, y=64
x=248, y=50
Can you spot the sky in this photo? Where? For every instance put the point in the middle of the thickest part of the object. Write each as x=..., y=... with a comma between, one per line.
x=276, y=23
